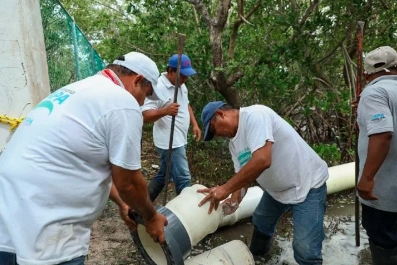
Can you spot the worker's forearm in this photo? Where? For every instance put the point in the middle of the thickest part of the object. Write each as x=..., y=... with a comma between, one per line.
x=248, y=174
x=136, y=196
x=114, y=196
x=150, y=116
x=378, y=148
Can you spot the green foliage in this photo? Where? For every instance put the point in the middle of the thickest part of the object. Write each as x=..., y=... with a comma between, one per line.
x=330, y=153
x=290, y=53
x=70, y=55
x=210, y=162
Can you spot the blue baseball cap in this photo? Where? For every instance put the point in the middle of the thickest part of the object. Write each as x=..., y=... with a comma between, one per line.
x=206, y=116
x=186, y=65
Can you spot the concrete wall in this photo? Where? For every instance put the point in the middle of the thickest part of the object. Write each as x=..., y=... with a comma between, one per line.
x=23, y=66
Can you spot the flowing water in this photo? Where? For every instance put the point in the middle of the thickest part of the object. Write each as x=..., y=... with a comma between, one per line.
x=339, y=246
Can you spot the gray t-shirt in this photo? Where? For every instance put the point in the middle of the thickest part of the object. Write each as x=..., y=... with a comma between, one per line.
x=377, y=113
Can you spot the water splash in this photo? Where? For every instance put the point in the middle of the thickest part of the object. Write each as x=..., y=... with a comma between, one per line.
x=339, y=246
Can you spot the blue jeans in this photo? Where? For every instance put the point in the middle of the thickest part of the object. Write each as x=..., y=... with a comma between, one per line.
x=179, y=173
x=307, y=218
x=7, y=258
x=381, y=226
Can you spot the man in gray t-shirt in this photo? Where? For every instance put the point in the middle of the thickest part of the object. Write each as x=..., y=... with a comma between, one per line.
x=377, y=149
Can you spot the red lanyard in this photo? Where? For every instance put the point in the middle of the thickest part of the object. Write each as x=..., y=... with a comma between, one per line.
x=109, y=74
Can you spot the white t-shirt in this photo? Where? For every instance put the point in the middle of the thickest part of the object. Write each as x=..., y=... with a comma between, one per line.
x=295, y=167
x=55, y=174
x=162, y=127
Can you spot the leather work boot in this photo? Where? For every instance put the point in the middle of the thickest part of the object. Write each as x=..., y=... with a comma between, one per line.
x=381, y=256
x=260, y=243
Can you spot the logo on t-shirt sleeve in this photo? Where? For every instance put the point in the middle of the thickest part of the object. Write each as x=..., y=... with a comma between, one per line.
x=378, y=117
x=244, y=156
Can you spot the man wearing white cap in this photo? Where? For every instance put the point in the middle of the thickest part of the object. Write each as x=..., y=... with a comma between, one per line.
x=377, y=149
x=160, y=112
x=57, y=170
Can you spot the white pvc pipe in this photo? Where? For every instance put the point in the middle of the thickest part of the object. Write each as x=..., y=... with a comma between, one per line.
x=196, y=220
x=232, y=253
x=341, y=177
x=246, y=207
x=24, y=78
x=154, y=250
x=198, y=223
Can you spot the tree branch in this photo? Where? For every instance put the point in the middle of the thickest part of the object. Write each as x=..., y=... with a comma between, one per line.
x=205, y=15
x=221, y=14
x=246, y=21
x=238, y=23
x=234, y=78
x=254, y=9
x=287, y=113
x=331, y=53
x=308, y=12
x=305, y=16
x=196, y=20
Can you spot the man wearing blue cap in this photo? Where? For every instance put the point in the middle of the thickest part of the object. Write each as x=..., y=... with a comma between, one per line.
x=265, y=148
x=160, y=112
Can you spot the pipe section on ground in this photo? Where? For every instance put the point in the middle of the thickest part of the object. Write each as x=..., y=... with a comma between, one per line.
x=188, y=224
x=232, y=253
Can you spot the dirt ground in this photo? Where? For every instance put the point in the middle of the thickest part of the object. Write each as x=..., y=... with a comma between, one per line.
x=112, y=244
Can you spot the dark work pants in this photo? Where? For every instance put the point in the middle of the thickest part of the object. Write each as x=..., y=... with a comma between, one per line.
x=381, y=226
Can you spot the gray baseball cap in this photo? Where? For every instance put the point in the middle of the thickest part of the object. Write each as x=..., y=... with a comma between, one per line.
x=380, y=59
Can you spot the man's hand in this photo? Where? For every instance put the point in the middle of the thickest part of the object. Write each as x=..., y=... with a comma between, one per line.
x=155, y=227
x=172, y=109
x=124, y=209
x=230, y=205
x=196, y=133
x=365, y=188
x=215, y=195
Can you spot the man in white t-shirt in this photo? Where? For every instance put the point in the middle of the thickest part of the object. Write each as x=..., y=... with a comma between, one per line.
x=57, y=170
x=160, y=112
x=265, y=148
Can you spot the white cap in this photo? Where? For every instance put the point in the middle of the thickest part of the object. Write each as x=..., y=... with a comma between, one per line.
x=142, y=65
x=380, y=59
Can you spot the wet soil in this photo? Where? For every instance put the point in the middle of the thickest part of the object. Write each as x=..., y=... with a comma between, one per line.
x=111, y=243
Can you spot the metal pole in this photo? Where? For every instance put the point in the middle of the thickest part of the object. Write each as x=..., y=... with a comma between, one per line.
x=357, y=161
x=76, y=50
x=181, y=40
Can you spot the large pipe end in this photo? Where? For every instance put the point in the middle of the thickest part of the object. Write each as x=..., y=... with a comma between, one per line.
x=177, y=246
